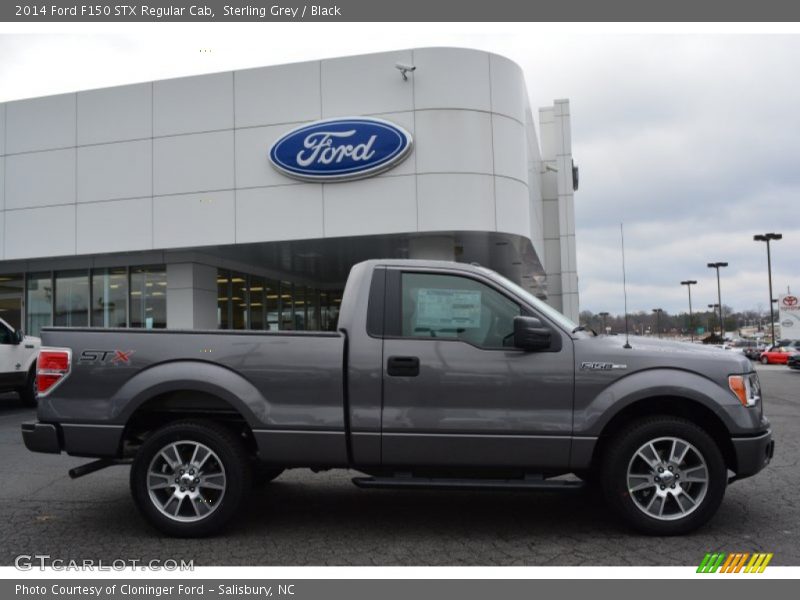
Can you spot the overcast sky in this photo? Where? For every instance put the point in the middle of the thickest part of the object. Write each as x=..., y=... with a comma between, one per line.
x=692, y=140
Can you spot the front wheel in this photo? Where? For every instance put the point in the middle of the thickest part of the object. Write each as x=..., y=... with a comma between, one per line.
x=764, y=360
x=664, y=476
x=190, y=477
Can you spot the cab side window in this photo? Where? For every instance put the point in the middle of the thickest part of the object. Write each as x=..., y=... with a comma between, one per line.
x=453, y=307
x=6, y=335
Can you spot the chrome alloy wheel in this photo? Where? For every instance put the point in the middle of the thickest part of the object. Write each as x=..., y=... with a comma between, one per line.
x=186, y=481
x=667, y=478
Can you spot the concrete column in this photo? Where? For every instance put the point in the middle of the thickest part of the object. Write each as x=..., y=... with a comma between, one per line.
x=432, y=247
x=558, y=208
x=191, y=296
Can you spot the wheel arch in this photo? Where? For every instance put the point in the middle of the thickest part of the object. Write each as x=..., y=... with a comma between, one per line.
x=179, y=405
x=197, y=377
x=188, y=390
x=670, y=406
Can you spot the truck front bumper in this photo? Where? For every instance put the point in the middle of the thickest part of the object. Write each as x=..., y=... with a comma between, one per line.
x=76, y=439
x=753, y=453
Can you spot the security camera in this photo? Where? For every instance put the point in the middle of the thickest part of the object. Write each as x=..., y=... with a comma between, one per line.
x=405, y=70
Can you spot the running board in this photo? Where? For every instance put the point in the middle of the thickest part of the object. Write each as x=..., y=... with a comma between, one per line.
x=527, y=484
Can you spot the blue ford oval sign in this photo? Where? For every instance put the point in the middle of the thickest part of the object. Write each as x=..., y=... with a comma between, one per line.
x=340, y=149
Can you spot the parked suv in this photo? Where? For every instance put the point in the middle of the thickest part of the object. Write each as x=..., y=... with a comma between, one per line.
x=18, y=362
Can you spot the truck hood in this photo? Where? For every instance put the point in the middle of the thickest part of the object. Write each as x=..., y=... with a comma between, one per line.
x=649, y=353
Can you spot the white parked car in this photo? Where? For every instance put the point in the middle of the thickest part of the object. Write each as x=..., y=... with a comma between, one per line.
x=18, y=354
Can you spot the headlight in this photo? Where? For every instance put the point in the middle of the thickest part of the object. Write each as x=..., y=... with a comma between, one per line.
x=746, y=388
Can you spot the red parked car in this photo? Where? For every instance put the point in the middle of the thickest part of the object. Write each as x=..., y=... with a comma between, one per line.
x=777, y=355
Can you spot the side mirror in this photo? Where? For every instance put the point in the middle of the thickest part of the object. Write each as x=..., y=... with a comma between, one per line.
x=19, y=335
x=530, y=334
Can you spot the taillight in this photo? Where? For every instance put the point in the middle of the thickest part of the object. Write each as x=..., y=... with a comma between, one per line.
x=52, y=367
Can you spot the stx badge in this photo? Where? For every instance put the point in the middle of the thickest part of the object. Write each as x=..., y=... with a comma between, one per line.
x=106, y=357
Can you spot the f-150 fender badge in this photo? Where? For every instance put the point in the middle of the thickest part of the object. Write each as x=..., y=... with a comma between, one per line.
x=601, y=366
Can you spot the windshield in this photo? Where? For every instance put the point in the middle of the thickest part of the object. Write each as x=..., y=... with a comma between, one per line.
x=550, y=312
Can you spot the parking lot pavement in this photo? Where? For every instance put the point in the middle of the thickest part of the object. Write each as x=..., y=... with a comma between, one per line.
x=308, y=519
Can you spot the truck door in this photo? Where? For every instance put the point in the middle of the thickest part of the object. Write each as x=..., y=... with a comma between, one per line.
x=456, y=393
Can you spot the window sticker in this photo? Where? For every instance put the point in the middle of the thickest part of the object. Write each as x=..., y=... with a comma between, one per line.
x=447, y=309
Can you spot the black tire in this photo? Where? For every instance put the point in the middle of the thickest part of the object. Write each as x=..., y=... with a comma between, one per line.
x=28, y=393
x=619, y=455
x=764, y=360
x=264, y=474
x=231, y=459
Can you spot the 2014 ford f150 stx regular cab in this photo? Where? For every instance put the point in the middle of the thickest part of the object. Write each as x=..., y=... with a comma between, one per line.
x=441, y=375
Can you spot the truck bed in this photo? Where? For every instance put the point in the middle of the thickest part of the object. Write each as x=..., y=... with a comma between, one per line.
x=288, y=385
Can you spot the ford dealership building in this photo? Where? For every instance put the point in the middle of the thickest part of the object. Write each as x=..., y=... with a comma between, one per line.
x=241, y=199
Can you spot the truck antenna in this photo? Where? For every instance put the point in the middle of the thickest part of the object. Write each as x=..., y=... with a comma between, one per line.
x=624, y=286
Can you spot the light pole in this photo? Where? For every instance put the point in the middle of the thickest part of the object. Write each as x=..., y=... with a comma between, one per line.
x=717, y=266
x=689, y=283
x=713, y=307
x=604, y=315
x=658, y=312
x=768, y=237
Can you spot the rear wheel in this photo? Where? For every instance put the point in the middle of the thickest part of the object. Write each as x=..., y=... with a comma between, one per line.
x=664, y=476
x=27, y=393
x=190, y=477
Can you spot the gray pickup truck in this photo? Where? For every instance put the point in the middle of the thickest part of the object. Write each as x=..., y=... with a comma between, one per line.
x=440, y=375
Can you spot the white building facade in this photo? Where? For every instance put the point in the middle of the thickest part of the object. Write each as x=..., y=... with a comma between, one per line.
x=155, y=204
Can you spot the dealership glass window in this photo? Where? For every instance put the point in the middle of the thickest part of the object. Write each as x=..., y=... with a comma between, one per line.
x=312, y=310
x=253, y=302
x=148, y=298
x=239, y=301
x=39, y=302
x=287, y=306
x=324, y=316
x=330, y=300
x=446, y=306
x=299, y=301
x=11, y=292
x=256, y=295
x=110, y=297
x=223, y=299
x=71, y=308
x=272, y=303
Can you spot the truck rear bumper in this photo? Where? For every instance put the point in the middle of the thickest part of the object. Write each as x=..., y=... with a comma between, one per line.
x=101, y=441
x=753, y=453
x=41, y=437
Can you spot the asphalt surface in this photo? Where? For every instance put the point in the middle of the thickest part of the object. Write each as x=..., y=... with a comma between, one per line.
x=322, y=519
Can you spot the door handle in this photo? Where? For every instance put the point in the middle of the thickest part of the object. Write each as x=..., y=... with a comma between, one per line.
x=402, y=366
